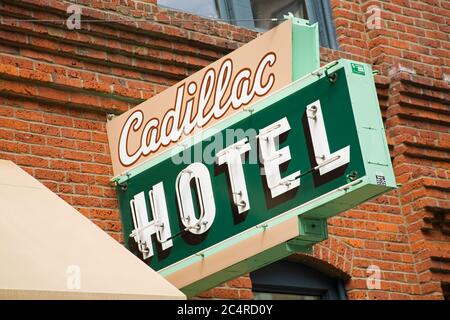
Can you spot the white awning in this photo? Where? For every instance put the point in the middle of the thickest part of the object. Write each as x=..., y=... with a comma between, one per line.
x=48, y=250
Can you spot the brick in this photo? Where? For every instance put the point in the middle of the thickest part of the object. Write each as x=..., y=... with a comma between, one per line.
x=6, y=111
x=14, y=124
x=49, y=174
x=76, y=134
x=90, y=146
x=6, y=134
x=85, y=201
x=31, y=161
x=61, y=143
x=14, y=147
x=58, y=120
x=65, y=188
x=30, y=115
x=109, y=225
x=101, y=158
x=95, y=168
x=226, y=293
x=241, y=282
x=80, y=178
x=81, y=189
x=45, y=151
x=65, y=165
x=76, y=155
x=89, y=125
x=44, y=129
x=29, y=138
x=83, y=99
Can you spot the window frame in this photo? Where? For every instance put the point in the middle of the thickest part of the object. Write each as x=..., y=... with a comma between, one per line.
x=320, y=11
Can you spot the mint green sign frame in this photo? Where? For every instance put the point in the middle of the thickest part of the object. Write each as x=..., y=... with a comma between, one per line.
x=352, y=117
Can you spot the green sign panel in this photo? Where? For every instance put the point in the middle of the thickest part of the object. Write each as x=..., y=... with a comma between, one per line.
x=313, y=149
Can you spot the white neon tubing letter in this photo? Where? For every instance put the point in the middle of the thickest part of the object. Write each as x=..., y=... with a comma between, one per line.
x=272, y=158
x=233, y=156
x=200, y=173
x=143, y=228
x=320, y=141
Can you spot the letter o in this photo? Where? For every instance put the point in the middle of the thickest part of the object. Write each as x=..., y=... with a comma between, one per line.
x=200, y=173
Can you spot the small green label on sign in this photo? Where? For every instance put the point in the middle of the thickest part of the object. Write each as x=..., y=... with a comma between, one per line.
x=358, y=69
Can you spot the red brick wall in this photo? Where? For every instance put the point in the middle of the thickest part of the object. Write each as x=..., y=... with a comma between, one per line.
x=57, y=86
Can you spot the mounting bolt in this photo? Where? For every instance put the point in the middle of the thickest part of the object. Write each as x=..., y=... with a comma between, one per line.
x=123, y=186
x=332, y=77
x=352, y=176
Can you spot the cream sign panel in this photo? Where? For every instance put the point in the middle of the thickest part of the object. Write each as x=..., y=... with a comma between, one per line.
x=201, y=100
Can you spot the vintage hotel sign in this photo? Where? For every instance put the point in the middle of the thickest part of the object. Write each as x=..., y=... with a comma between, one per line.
x=242, y=163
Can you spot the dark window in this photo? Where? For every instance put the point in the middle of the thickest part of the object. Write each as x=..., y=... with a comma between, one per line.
x=257, y=14
x=287, y=280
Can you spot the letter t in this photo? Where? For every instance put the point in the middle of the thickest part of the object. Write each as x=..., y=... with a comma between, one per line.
x=232, y=156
